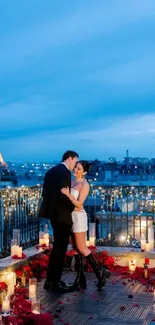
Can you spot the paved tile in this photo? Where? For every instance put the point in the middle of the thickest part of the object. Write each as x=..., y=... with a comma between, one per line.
x=111, y=306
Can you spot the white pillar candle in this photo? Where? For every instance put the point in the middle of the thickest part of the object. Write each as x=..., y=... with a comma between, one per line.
x=5, y=306
x=41, y=241
x=35, y=312
x=16, y=250
x=46, y=236
x=152, y=244
x=35, y=306
x=13, y=250
x=132, y=265
x=11, y=289
x=10, y=278
x=46, y=239
x=143, y=244
x=32, y=291
x=20, y=252
x=92, y=241
x=147, y=247
x=47, y=242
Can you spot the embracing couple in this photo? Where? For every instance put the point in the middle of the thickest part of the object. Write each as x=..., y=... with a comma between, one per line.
x=63, y=201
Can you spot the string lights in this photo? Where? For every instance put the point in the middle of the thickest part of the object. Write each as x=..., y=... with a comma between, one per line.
x=122, y=211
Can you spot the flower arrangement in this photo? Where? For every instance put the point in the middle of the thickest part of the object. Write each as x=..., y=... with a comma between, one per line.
x=21, y=309
x=38, y=267
x=16, y=257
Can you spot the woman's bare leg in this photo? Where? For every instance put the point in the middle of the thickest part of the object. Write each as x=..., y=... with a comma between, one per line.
x=80, y=243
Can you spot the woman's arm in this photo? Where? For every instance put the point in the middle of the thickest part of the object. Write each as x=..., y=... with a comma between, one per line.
x=84, y=191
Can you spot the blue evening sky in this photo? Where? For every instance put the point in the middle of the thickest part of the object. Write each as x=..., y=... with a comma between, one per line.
x=77, y=74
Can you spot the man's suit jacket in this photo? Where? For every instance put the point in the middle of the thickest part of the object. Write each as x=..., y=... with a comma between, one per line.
x=56, y=206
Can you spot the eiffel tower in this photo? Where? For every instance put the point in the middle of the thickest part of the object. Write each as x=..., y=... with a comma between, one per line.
x=2, y=162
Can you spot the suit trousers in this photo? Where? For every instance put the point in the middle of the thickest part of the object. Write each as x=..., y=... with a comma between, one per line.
x=57, y=257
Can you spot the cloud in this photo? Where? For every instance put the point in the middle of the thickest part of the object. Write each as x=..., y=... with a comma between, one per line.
x=96, y=143
x=77, y=75
x=79, y=24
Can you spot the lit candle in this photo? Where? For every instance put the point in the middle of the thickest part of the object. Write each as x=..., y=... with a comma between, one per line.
x=47, y=242
x=147, y=247
x=92, y=241
x=143, y=244
x=46, y=239
x=13, y=250
x=132, y=265
x=41, y=238
x=46, y=236
x=6, y=306
x=10, y=278
x=16, y=250
x=35, y=306
x=152, y=244
x=32, y=291
x=35, y=312
x=20, y=252
x=41, y=241
x=11, y=289
x=32, y=288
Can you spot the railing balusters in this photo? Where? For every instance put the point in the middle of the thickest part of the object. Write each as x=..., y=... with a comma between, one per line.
x=121, y=213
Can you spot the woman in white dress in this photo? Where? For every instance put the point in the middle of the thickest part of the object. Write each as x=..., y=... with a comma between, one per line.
x=78, y=195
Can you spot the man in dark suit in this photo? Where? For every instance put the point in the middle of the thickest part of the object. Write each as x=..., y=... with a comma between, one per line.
x=58, y=208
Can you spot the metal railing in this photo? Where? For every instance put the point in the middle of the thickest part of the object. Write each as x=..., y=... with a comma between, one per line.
x=122, y=215
x=19, y=210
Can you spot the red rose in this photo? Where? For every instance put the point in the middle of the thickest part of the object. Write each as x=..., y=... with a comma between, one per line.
x=2, y=286
x=26, y=268
x=45, y=258
x=147, y=261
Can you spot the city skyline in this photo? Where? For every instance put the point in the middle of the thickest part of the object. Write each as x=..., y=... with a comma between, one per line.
x=82, y=73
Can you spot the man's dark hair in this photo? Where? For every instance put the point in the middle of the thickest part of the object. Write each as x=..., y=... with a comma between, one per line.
x=69, y=153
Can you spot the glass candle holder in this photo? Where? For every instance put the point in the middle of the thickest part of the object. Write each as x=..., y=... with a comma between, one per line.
x=10, y=278
x=5, y=305
x=16, y=235
x=35, y=306
x=32, y=288
x=92, y=229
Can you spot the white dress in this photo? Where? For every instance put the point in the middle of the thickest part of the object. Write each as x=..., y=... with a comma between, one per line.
x=79, y=218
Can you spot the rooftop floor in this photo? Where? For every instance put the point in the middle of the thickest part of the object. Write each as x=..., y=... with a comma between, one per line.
x=111, y=306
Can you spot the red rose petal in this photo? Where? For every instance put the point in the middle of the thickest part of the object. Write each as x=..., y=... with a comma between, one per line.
x=135, y=305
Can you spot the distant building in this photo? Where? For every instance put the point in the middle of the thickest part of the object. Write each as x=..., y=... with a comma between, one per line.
x=112, y=160
x=111, y=171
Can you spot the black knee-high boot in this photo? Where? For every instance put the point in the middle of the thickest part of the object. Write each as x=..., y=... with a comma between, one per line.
x=80, y=278
x=99, y=274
